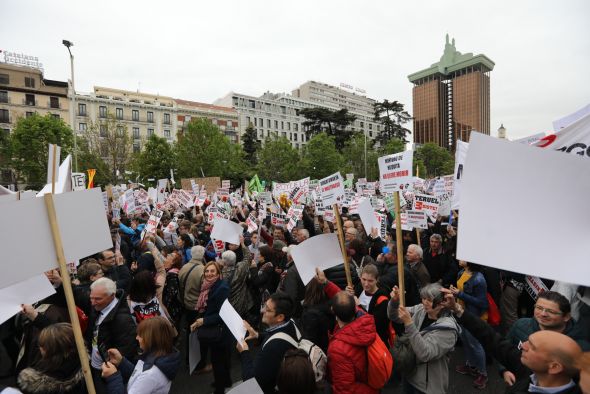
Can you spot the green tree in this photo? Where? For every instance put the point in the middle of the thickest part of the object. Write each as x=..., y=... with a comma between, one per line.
x=89, y=160
x=155, y=160
x=279, y=161
x=437, y=161
x=392, y=146
x=29, y=146
x=236, y=168
x=202, y=149
x=251, y=144
x=392, y=116
x=108, y=139
x=334, y=123
x=320, y=156
x=353, y=155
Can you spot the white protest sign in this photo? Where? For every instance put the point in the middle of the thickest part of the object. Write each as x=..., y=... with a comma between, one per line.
x=251, y=223
x=426, y=203
x=395, y=171
x=63, y=183
x=321, y=251
x=571, y=118
x=195, y=187
x=130, y=205
x=152, y=195
x=227, y=231
x=331, y=189
x=460, y=155
x=105, y=201
x=232, y=320
x=185, y=199
x=365, y=211
x=161, y=190
x=225, y=184
x=417, y=219
x=444, y=203
x=199, y=201
x=78, y=181
x=73, y=210
x=28, y=291
x=574, y=139
x=295, y=213
x=152, y=223
x=250, y=386
x=531, y=139
x=547, y=175
x=277, y=219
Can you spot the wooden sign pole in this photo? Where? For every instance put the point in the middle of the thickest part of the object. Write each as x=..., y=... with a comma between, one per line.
x=53, y=169
x=418, y=237
x=400, y=251
x=67, y=286
x=342, y=245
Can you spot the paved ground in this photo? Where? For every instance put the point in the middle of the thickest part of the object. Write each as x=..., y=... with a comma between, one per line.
x=200, y=384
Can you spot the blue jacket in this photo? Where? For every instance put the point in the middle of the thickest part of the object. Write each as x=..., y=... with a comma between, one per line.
x=134, y=234
x=474, y=293
x=217, y=296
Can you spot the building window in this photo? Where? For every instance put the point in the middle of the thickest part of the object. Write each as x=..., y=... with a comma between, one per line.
x=229, y=124
x=82, y=127
x=120, y=131
x=136, y=133
x=102, y=111
x=289, y=126
x=251, y=103
x=370, y=133
x=166, y=118
x=3, y=96
x=255, y=122
x=29, y=82
x=56, y=116
x=150, y=117
x=81, y=109
x=167, y=134
x=296, y=126
x=248, y=121
x=119, y=113
x=4, y=79
x=29, y=114
x=362, y=124
x=282, y=125
x=103, y=130
x=261, y=121
x=295, y=137
x=53, y=102
x=276, y=124
x=135, y=115
x=30, y=99
x=284, y=134
x=136, y=147
x=370, y=126
x=4, y=116
x=150, y=132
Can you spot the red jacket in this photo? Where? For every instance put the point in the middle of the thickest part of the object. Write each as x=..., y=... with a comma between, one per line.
x=347, y=356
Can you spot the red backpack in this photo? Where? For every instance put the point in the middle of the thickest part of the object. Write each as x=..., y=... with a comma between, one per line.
x=379, y=365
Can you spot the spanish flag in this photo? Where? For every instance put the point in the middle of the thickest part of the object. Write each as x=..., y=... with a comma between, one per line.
x=91, y=174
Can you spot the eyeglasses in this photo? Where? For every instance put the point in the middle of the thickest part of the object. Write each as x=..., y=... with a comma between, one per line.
x=549, y=311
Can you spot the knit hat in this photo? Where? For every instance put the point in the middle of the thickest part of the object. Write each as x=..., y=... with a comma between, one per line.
x=197, y=253
x=278, y=245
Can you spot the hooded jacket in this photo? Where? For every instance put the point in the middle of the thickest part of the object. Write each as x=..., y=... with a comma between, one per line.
x=347, y=356
x=150, y=375
x=69, y=378
x=431, y=347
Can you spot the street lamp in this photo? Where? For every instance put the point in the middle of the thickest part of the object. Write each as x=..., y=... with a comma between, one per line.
x=69, y=44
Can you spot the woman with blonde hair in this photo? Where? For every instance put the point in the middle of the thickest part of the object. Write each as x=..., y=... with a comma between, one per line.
x=156, y=367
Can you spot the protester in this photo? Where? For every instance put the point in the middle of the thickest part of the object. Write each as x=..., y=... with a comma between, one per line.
x=58, y=371
x=296, y=375
x=432, y=333
x=441, y=267
x=114, y=268
x=374, y=301
x=417, y=268
x=211, y=330
x=317, y=319
x=156, y=367
x=88, y=272
x=184, y=245
x=143, y=300
x=236, y=274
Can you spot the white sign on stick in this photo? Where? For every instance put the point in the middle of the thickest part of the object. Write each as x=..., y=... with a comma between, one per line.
x=560, y=254
x=331, y=189
x=227, y=231
x=53, y=162
x=78, y=181
x=367, y=214
x=63, y=183
x=232, y=320
x=417, y=219
x=74, y=210
x=27, y=291
x=395, y=172
x=321, y=251
x=428, y=204
x=460, y=155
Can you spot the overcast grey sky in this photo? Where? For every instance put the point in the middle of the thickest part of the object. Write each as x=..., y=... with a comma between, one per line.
x=201, y=50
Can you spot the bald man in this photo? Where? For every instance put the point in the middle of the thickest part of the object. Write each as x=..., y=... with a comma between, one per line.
x=550, y=356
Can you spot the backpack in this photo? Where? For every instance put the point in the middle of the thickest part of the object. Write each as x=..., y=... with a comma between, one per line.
x=494, y=316
x=379, y=363
x=316, y=355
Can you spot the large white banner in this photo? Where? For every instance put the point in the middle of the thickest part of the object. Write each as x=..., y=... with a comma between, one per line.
x=574, y=139
x=460, y=155
x=518, y=234
x=395, y=172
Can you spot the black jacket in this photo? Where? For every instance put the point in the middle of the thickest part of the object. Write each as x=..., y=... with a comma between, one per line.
x=337, y=275
x=117, y=329
x=379, y=312
x=389, y=279
x=440, y=267
x=121, y=275
x=82, y=297
x=293, y=287
x=317, y=321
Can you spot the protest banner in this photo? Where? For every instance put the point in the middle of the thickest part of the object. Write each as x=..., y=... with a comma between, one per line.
x=78, y=181
x=293, y=215
x=251, y=223
x=322, y=251
x=395, y=172
x=417, y=219
x=227, y=231
x=195, y=187
x=105, y=201
x=575, y=138
x=63, y=181
x=365, y=211
x=331, y=189
x=161, y=190
x=564, y=122
x=277, y=219
x=531, y=139
x=211, y=183
x=152, y=223
x=225, y=184
x=428, y=204
x=460, y=155
x=547, y=176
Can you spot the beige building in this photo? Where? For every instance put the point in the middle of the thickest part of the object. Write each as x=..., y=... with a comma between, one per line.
x=225, y=118
x=24, y=91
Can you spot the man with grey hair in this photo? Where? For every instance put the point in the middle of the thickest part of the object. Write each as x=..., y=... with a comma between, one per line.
x=110, y=326
x=417, y=268
x=302, y=235
x=440, y=265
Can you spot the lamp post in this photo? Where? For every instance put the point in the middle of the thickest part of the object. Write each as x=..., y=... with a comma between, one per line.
x=69, y=44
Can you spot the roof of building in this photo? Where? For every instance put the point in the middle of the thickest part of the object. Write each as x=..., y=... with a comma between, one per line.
x=204, y=106
x=451, y=61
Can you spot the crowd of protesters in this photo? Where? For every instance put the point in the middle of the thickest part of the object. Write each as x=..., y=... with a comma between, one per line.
x=139, y=301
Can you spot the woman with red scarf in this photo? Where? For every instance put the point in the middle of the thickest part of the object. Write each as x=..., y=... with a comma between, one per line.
x=211, y=330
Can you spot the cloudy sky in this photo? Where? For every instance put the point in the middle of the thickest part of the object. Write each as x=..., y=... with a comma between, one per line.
x=201, y=50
